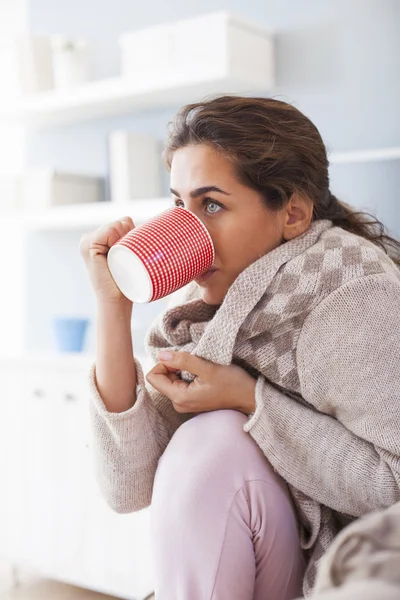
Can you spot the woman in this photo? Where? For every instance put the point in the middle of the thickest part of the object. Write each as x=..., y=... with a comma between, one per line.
x=287, y=352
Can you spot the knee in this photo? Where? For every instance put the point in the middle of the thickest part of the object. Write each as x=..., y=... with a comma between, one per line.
x=212, y=450
x=198, y=459
x=210, y=435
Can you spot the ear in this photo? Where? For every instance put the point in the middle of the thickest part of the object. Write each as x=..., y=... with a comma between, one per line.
x=297, y=217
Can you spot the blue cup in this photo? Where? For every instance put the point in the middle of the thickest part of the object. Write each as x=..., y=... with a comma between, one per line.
x=70, y=333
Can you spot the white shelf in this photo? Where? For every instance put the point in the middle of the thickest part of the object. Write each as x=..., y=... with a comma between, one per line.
x=67, y=360
x=125, y=96
x=78, y=217
x=364, y=156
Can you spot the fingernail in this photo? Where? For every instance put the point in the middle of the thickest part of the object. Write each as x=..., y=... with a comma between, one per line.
x=164, y=355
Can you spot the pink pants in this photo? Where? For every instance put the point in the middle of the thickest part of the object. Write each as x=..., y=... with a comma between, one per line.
x=223, y=524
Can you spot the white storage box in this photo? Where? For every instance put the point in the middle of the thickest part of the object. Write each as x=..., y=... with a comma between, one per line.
x=134, y=166
x=146, y=51
x=214, y=45
x=43, y=188
x=26, y=65
x=70, y=60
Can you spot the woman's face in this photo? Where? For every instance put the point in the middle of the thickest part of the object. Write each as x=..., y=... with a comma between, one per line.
x=242, y=228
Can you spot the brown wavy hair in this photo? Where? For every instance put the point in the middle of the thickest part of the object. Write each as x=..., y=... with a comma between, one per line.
x=276, y=150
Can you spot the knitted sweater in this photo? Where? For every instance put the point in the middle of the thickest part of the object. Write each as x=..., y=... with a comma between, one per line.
x=317, y=321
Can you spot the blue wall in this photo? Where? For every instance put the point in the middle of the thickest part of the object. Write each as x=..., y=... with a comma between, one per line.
x=338, y=61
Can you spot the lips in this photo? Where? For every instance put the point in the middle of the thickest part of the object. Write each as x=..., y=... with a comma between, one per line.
x=207, y=274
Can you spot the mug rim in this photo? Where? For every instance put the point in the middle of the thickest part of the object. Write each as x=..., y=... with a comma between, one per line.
x=129, y=252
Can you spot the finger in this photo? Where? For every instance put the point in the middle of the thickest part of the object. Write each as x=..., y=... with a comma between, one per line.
x=160, y=369
x=119, y=229
x=101, y=240
x=167, y=383
x=127, y=223
x=114, y=232
x=184, y=361
x=172, y=369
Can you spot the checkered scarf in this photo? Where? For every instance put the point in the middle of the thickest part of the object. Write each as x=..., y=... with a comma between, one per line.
x=258, y=324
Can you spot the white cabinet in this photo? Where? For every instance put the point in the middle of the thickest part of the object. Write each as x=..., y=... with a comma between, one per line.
x=12, y=463
x=37, y=416
x=120, y=544
x=69, y=436
x=54, y=518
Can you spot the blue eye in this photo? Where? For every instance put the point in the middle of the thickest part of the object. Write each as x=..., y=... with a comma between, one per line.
x=212, y=206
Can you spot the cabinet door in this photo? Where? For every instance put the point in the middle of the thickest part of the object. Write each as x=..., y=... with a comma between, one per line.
x=68, y=474
x=62, y=526
x=54, y=438
x=13, y=453
x=117, y=558
x=93, y=546
x=39, y=437
x=117, y=546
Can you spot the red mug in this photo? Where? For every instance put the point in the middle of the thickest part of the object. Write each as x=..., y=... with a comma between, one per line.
x=161, y=256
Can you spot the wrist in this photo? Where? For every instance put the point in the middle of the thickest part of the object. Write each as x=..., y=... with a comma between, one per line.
x=247, y=402
x=121, y=306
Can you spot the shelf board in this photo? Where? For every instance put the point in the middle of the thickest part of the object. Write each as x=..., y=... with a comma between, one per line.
x=124, y=95
x=64, y=360
x=87, y=216
x=364, y=156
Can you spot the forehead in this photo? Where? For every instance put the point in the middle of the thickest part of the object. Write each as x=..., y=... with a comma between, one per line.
x=195, y=166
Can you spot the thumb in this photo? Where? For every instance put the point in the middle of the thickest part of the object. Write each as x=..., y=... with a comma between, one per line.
x=184, y=361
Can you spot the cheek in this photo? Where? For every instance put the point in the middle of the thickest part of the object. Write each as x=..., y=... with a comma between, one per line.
x=224, y=245
x=233, y=251
x=246, y=242
x=264, y=234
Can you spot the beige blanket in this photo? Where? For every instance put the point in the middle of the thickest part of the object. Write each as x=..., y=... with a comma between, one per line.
x=363, y=562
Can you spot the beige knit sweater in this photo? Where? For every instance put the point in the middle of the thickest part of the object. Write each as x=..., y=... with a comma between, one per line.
x=317, y=320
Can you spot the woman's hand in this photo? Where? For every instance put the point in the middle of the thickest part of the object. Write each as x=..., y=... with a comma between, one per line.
x=215, y=387
x=94, y=249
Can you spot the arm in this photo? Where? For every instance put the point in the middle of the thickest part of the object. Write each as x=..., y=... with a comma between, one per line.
x=115, y=367
x=131, y=425
x=345, y=454
x=128, y=445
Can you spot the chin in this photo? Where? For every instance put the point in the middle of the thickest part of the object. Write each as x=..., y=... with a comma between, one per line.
x=210, y=296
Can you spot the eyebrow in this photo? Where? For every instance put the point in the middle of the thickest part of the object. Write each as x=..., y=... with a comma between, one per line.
x=201, y=191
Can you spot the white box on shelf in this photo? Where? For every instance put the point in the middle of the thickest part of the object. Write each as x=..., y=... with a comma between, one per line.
x=70, y=61
x=146, y=51
x=26, y=65
x=134, y=166
x=44, y=188
x=239, y=49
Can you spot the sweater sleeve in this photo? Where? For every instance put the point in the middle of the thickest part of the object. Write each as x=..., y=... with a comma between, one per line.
x=342, y=446
x=128, y=445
